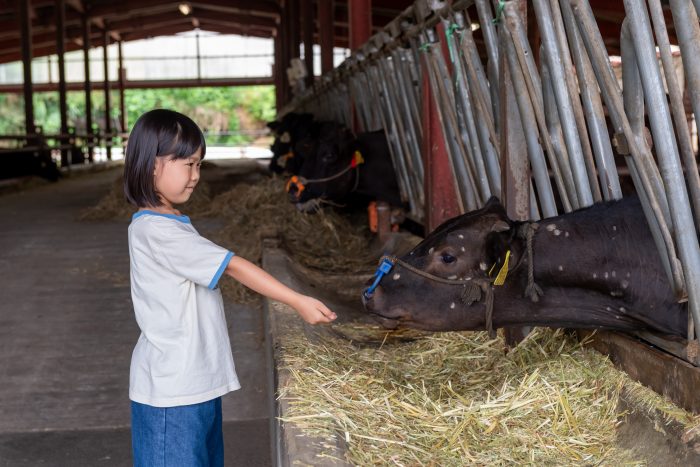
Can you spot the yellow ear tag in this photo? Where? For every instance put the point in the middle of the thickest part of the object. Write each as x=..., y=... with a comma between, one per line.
x=501, y=277
x=357, y=159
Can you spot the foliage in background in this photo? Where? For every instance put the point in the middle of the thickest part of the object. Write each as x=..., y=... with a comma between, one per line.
x=216, y=110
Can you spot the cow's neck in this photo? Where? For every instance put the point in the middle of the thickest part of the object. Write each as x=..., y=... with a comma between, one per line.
x=593, y=274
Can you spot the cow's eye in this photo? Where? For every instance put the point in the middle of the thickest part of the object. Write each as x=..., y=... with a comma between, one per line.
x=447, y=258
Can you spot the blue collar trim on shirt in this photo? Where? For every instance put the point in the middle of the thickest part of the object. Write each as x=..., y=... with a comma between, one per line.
x=183, y=218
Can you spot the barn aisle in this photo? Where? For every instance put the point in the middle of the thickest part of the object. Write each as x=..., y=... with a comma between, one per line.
x=67, y=331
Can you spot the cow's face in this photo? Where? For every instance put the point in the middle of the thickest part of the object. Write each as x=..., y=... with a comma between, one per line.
x=464, y=248
x=327, y=158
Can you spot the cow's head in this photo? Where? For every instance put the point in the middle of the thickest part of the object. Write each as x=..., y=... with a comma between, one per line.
x=466, y=248
x=331, y=154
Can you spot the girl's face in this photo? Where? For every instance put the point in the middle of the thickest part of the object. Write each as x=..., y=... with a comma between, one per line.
x=175, y=179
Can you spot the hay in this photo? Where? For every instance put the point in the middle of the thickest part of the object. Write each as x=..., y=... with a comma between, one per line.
x=456, y=399
x=115, y=206
x=324, y=241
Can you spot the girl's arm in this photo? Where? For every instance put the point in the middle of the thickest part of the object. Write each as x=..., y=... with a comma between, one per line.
x=253, y=277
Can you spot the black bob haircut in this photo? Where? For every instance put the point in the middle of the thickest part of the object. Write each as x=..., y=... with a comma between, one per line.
x=157, y=133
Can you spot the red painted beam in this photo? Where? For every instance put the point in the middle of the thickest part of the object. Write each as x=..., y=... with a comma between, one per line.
x=360, y=15
x=441, y=198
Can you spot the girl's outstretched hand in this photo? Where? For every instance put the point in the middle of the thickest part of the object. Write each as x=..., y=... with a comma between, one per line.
x=313, y=311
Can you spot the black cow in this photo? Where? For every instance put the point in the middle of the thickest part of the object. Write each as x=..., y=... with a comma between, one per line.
x=22, y=163
x=293, y=128
x=346, y=170
x=593, y=268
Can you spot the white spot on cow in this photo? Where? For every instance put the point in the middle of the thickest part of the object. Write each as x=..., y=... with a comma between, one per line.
x=606, y=275
x=452, y=305
x=551, y=227
x=614, y=274
x=595, y=276
x=561, y=268
x=453, y=277
x=460, y=236
x=397, y=276
x=430, y=252
x=622, y=309
x=483, y=266
x=625, y=284
x=614, y=228
x=566, y=234
x=463, y=249
x=557, y=233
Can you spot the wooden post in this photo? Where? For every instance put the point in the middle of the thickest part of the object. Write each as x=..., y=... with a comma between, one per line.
x=308, y=37
x=108, y=102
x=87, y=86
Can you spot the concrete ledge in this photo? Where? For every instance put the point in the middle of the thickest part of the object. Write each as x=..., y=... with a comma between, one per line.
x=291, y=447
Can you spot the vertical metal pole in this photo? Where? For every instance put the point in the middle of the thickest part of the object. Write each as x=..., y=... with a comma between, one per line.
x=308, y=17
x=441, y=198
x=360, y=21
x=515, y=170
x=199, y=58
x=667, y=151
x=122, y=78
x=26, y=31
x=278, y=69
x=87, y=86
x=108, y=101
x=564, y=103
x=325, y=30
x=60, y=50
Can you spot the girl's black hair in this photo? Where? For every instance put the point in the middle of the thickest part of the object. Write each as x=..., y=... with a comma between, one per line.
x=157, y=133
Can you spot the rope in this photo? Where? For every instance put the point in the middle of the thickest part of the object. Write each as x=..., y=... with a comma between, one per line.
x=499, y=12
x=532, y=290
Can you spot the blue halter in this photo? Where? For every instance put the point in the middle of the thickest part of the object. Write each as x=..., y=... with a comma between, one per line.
x=383, y=269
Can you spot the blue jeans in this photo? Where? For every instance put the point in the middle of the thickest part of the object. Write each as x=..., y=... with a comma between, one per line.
x=184, y=436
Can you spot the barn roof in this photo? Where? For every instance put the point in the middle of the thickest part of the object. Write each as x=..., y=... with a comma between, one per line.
x=129, y=20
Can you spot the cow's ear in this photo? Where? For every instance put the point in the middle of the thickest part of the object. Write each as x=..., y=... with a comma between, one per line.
x=500, y=226
x=493, y=202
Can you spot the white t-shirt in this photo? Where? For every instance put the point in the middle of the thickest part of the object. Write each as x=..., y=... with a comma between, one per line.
x=183, y=355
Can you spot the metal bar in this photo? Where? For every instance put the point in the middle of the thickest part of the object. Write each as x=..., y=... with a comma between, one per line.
x=120, y=84
x=463, y=175
x=534, y=150
x=518, y=46
x=575, y=101
x=87, y=87
x=667, y=153
x=689, y=40
x=593, y=107
x=516, y=182
x=557, y=154
x=462, y=95
x=26, y=33
x=485, y=15
x=60, y=6
x=564, y=103
x=442, y=200
x=108, y=100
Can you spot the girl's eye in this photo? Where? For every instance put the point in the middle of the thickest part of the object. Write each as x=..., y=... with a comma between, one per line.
x=447, y=258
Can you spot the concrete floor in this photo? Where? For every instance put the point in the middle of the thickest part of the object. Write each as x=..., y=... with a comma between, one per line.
x=67, y=331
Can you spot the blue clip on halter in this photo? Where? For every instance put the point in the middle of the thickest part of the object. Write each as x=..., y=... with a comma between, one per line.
x=384, y=268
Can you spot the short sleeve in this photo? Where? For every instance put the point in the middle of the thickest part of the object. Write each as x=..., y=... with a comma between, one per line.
x=181, y=250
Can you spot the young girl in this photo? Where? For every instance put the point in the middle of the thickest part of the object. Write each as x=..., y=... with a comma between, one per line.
x=182, y=363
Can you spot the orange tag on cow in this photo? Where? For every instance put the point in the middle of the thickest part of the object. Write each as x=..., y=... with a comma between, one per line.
x=357, y=159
